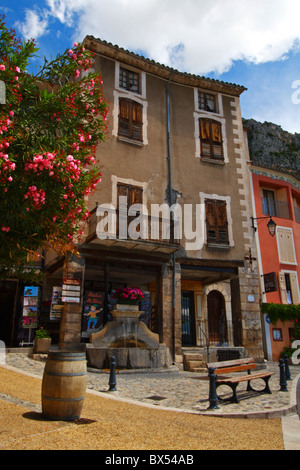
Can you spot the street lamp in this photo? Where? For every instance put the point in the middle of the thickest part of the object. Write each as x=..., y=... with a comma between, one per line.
x=271, y=224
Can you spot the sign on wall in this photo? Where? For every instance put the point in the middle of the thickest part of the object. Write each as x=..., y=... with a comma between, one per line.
x=270, y=281
x=71, y=288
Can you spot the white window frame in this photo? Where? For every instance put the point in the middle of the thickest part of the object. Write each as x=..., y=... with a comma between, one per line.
x=197, y=116
x=219, y=103
x=284, y=271
x=227, y=199
x=137, y=97
x=278, y=246
x=131, y=94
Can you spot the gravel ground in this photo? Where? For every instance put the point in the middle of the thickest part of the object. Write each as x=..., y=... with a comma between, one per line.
x=107, y=424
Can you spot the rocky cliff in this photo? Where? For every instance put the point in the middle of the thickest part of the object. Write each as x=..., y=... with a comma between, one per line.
x=272, y=147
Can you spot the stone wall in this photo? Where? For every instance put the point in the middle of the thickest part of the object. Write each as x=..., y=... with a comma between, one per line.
x=250, y=314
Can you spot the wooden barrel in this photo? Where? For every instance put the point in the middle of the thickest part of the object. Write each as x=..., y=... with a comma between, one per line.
x=64, y=385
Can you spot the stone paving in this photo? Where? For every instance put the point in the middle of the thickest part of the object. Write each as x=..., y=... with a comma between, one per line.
x=174, y=389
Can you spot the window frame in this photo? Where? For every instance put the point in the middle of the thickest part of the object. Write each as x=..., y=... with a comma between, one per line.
x=133, y=125
x=205, y=107
x=217, y=228
x=282, y=248
x=267, y=201
x=277, y=332
x=293, y=285
x=211, y=142
x=127, y=73
x=227, y=199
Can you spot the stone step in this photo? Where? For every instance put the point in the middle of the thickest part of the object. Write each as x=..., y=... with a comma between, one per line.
x=193, y=357
x=191, y=364
x=198, y=369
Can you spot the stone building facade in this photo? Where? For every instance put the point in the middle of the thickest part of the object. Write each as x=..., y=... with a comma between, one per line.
x=174, y=140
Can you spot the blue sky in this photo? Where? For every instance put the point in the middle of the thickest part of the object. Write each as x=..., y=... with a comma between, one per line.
x=254, y=43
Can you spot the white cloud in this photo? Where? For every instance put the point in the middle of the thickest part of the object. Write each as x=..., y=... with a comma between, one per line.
x=35, y=24
x=197, y=36
x=211, y=34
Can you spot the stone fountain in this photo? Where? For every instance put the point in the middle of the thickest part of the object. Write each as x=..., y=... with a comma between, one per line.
x=129, y=340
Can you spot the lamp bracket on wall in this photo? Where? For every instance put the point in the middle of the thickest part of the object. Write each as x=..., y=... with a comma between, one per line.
x=271, y=224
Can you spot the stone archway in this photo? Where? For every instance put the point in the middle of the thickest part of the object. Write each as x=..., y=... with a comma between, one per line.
x=216, y=315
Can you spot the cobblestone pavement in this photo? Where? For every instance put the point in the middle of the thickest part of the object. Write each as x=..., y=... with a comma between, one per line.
x=180, y=389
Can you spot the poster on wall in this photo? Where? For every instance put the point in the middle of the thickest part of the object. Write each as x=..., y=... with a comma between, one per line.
x=30, y=307
x=92, y=318
x=56, y=303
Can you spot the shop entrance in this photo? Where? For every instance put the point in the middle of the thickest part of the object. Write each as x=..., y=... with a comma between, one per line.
x=7, y=309
x=216, y=317
x=188, y=337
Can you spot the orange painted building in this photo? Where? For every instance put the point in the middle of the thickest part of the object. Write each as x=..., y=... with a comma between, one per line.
x=276, y=197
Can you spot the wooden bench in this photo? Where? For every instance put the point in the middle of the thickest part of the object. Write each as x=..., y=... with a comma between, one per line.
x=227, y=367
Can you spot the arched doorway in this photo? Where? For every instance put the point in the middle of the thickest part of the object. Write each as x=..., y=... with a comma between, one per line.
x=217, y=325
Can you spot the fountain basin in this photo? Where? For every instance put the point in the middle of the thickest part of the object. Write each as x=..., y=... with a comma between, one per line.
x=128, y=358
x=129, y=340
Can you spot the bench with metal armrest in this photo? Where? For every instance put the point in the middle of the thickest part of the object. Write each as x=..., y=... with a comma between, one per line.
x=228, y=367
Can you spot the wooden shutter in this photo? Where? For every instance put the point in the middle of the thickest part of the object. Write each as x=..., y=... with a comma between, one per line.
x=211, y=223
x=211, y=139
x=124, y=117
x=286, y=246
x=282, y=287
x=221, y=210
x=294, y=288
x=137, y=121
x=134, y=195
x=216, y=221
x=130, y=119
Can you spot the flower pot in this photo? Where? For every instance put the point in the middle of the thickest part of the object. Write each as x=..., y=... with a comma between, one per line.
x=41, y=345
x=127, y=302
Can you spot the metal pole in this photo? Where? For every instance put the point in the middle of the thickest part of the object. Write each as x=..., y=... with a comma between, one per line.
x=112, y=375
x=282, y=383
x=213, y=398
x=286, y=367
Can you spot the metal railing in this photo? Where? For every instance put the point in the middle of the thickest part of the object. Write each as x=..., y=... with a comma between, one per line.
x=297, y=214
x=209, y=334
x=276, y=209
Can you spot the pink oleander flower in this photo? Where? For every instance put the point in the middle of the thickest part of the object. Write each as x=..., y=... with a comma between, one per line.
x=2, y=67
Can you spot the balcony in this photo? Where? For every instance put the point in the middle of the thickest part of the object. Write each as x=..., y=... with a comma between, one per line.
x=142, y=233
x=276, y=208
x=297, y=214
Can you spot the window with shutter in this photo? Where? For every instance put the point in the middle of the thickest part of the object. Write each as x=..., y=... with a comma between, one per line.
x=286, y=249
x=133, y=195
x=211, y=139
x=130, y=119
x=289, y=288
x=216, y=222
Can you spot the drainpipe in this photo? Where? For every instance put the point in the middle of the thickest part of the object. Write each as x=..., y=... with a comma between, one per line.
x=171, y=203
